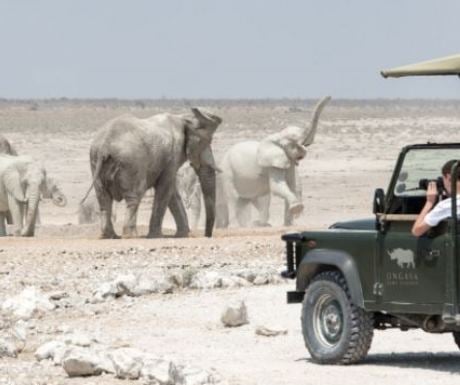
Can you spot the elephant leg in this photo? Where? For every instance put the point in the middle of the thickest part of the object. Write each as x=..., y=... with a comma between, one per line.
x=279, y=186
x=2, y=224
x=222, y=216
x=17, y=214
x=195, y=208
x=243, y=211
x=132, y=205
x=38, y=221
x=9, y=218
x=262, y=205
x=295, y=185
x=288, y=217
x=222, y=213
x=105, y=204
x=164, y=189
x=180, y=215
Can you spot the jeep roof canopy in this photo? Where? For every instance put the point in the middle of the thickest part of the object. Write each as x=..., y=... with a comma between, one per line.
x=449, y=65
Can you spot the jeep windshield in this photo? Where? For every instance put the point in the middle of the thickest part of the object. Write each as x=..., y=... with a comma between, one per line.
x=419, y=164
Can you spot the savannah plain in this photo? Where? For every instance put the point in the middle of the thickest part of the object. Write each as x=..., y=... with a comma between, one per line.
x=354, y=152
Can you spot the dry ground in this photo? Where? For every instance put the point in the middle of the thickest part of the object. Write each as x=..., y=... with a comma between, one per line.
x=354, y=152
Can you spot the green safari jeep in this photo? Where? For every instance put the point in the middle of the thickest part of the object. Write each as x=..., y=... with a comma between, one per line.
x=369, y=274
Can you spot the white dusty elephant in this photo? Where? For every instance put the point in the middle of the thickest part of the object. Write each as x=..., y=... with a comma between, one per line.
x=50, y=189
x=6, y=147
x=130, y=155
x=189, y=189
x=252, y=171
x=22, y=181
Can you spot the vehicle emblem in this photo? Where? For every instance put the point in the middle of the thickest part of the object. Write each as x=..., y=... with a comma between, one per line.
x=404, y=257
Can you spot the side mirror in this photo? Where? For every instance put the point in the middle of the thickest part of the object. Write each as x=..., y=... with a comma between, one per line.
x=379, y=201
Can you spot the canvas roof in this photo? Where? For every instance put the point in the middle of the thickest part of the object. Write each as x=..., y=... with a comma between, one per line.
x=449, y=65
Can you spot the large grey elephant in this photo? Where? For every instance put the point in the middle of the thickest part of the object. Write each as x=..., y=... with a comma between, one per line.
x=252, y=171
x=22, y=181
x=130, y=155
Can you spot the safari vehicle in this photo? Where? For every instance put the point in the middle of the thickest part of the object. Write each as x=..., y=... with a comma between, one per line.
x=369, y=274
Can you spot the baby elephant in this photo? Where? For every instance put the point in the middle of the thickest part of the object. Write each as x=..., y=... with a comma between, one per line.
x=22, y=181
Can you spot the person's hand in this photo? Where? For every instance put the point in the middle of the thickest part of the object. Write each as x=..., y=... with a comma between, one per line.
x=431, y=192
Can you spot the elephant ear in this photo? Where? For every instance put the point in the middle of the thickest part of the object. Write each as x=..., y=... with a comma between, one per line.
x=270, y=154
x=12, y=181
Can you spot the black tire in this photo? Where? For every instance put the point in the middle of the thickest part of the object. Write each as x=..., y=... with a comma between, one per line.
x=456, y=338
x=335, y=330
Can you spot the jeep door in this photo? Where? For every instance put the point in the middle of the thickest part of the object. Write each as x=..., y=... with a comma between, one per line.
x=412, y=269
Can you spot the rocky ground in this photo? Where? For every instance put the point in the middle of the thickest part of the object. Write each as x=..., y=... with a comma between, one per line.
x=124, y=305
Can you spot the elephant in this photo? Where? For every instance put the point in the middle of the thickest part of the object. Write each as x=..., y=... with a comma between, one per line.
x=6, y=147
x=50, y=189
x=253, y=170
x=130, y=155
x=189, y=188
x=22, y=181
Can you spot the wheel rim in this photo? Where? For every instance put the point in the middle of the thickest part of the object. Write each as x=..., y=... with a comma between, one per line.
x=328, y=320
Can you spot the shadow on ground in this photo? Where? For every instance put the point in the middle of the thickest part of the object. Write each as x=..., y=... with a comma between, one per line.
x=443, y=362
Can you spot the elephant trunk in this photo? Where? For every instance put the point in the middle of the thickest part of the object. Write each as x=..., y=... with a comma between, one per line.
x=207, y=177
x=309, y=134
x=59, y=199
x=32, y=208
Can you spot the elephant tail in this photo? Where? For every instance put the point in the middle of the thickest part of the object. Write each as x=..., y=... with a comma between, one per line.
x=96, y=173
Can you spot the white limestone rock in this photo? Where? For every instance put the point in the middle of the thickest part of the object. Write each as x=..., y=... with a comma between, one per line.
x=126, y=284
x=29, y=303
x=157, y=371
x=104, y=291
x=235, y=314
x=269, y=331
x=133, y=286
x=206, y=280
x=261, y=279
x=248, y=275
x=79, y=362
x=8, y=348
x=127, y=362
x=54, y=350
x=190, y=375
x=78, y=339
x=234, y=281
x=19, y=331
x=153, y=284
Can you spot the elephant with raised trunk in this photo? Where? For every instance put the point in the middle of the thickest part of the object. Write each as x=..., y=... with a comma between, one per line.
x=252, y=171
x=130, y=155
x=22, y=182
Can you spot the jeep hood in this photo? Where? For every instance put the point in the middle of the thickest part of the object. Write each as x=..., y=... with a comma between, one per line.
x=358, y=224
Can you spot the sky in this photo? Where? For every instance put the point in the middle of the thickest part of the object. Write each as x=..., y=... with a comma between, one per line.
x=137, y=49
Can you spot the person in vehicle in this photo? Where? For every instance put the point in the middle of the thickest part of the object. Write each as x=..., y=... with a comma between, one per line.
x=431, y=215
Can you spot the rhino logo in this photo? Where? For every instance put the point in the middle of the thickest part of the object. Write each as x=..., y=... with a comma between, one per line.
x=404, y=257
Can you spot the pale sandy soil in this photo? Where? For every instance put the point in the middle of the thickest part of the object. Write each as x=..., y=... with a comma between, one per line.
x=354, y=152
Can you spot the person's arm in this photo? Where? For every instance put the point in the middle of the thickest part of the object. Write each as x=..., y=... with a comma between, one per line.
x=420, y=227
